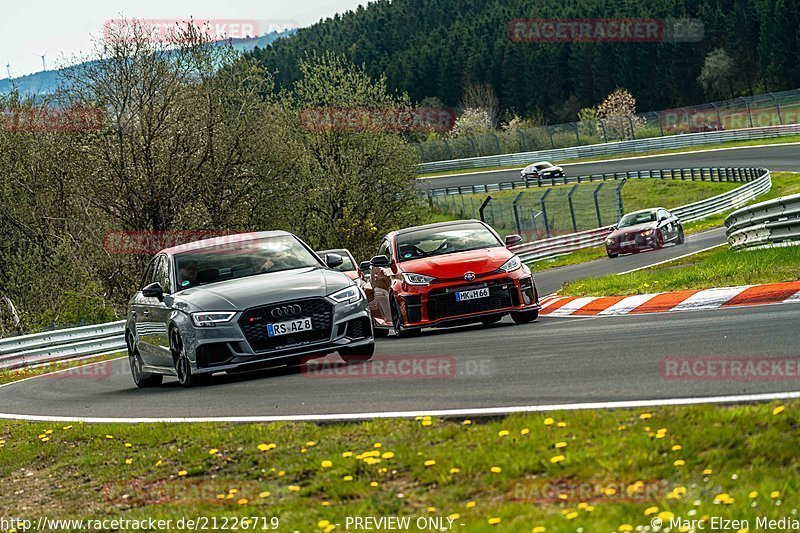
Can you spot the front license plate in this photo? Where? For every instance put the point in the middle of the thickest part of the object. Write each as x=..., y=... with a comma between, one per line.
x=290, y=326
x=626, y=243
x=472, y=295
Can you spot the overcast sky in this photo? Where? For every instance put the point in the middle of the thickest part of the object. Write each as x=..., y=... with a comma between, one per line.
x=61, y=29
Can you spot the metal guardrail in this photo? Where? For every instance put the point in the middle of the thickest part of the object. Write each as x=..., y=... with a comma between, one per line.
x=695, y=211
x=61, y=345
x=609, y=149
x=766, y=224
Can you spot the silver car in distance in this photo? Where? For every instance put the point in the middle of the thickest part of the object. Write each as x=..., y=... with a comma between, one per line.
x=242, y=302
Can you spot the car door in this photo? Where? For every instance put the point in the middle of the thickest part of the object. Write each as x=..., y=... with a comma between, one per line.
x=140, y=313
x=381, y=281
x=666, y=224
x=160, y=312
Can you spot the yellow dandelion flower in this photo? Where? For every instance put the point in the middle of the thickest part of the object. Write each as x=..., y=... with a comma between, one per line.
x=455, y=470
x=774, y=494
x=242, y=501
x=128, y=445
x=666, y=516
x=128, y=461
x=311, y=443
x=650, y=510
x=322, y=524
x=213, y=451
x=621, y=428
x=265, y=494
x=466, y=422
x=387, y=455
x=538, y=529
x=348, y=478
x=293, y=488
x=347, y=454
x=109, y=436
x=679, y=462
x=560, y=445
x=562, y=424
x=453, y=516
x=524, y=431
x=67, y=427
x=778, y=410
x=303, y=450
x=707, y=472
x=377, y=445
x=645, y=416
x=281, y=473
x=182, y=472
x=677, y=448
x=496, y=469
x=431, y=509
x=625, y=527
x=426, y=422
x=430, y=462
x=753, y=495
x=548, y=421
x=503, y=433
x=325, y=503
x=557, y=459
x=494, y=521
x=159, y=462
x=373, y=484
x=571, y=516
x=470, y=505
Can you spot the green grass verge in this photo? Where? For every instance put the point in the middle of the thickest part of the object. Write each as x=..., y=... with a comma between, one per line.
x=719, y=267
x=597, y=470
x=733, y=144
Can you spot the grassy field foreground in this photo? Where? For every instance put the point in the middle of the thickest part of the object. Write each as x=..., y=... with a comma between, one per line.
x=611, y=470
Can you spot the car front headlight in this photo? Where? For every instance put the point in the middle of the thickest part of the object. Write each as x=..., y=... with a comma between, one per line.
x=511, y=265
x=211, y=319
x=648, y=232
x=346, y=296
x=417, y=279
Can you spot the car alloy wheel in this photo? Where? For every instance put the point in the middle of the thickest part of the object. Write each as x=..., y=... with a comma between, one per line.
x=397, y=321
x=140, y=378
x=659, y=240
x=183, y=367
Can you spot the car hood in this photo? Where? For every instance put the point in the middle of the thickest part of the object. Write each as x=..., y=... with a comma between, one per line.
x=631, y=230
x=261, y=289
x=455, y=265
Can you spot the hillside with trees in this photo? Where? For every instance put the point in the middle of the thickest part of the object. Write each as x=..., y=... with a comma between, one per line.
x=435, y=49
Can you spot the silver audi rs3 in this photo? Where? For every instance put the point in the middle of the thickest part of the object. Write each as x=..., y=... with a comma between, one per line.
x=242, y=302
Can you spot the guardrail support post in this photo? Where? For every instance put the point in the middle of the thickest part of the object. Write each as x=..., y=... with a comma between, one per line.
x=483, y=206
x=619, y=197
x=544, y=212
x=516, y=212
x=572, y=208
x=597, y=205
x=749, y=114
x=778, y=108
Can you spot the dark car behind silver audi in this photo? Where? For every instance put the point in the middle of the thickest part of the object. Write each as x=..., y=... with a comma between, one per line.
x=241, y=302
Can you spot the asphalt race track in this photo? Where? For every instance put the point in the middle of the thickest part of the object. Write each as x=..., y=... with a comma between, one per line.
x=775, y=158
x=549, y=361
x=552, y=361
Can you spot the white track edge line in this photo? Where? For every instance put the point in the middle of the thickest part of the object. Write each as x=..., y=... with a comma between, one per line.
x=486, y=411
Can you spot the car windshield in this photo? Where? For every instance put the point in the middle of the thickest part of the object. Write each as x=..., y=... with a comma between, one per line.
x=234, y=260
x=445, y=240
x=347, y=263
x=634, y=219
x=543, y=165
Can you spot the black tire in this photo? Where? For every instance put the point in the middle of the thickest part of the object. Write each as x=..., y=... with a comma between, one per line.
x=525, y=317
x=681, y=239
x=358, y=354
x=659, y=240
x=141, y=379
x=183, y=367
x=400, y=331
x=491, y=320
x=612, y=256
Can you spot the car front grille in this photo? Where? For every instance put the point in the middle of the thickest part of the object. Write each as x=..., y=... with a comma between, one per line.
x=442, y=302
x=254, y=325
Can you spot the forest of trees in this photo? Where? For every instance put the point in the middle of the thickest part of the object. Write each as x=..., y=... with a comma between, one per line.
x=436, y=48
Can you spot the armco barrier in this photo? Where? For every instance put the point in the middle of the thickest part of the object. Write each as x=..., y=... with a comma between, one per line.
x=610, y=149
x=766, y=224
x=695, y=211
x=61, y=345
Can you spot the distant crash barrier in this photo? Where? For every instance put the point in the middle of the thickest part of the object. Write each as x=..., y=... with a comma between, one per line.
x=669, y=142
x=61, y=345
x=732, y=199
x=766, y=224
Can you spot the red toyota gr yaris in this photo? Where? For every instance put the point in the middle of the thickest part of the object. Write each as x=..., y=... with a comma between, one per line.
x=448, y=274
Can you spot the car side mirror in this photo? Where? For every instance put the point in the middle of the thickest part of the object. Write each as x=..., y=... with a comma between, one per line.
x=513, y=240
x=333, y=260
x=153, y=290
x=364, y=266
x=380, y=261
x=614, y=227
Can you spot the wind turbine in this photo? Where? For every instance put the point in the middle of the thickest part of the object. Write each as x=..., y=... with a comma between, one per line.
x=44, y=63
x=8, y=69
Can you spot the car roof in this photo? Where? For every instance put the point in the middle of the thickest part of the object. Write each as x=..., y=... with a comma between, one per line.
x=648, y=210
x=436, y=225
x=340, y=251
x=223, y=240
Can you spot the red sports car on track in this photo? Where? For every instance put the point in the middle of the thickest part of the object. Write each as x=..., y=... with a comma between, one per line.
x=648, y=229
x=448, y=274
